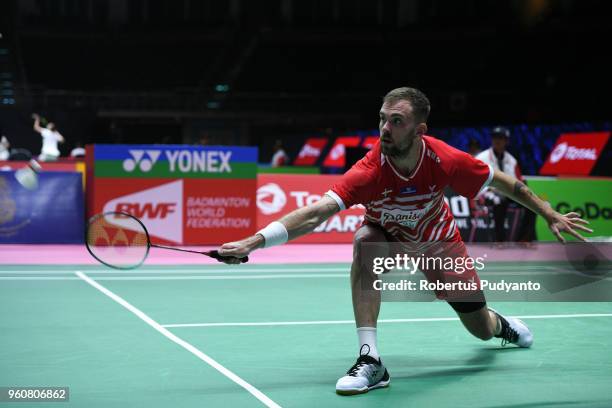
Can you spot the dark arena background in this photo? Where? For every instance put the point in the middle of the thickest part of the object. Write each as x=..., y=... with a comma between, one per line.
x=209, y=119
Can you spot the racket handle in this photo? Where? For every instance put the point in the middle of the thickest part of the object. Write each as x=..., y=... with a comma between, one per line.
x=215, y=254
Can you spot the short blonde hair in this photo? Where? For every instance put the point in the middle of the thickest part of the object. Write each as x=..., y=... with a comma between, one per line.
x=419, y=102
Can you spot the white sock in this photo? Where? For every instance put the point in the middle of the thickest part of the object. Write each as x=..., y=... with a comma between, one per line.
x=367, y=335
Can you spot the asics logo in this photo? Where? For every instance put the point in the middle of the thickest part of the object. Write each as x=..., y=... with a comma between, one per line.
x=144, y=159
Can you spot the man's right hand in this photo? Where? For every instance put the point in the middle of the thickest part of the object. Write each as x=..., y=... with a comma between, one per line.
x=239, y=249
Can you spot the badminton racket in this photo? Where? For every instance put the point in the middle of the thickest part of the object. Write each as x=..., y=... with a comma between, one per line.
x=121, y=241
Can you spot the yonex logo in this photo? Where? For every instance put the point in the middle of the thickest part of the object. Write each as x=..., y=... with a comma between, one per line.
x=271, y=198
x=138, y=159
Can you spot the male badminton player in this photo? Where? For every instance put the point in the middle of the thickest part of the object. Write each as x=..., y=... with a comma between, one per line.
x=401, y=183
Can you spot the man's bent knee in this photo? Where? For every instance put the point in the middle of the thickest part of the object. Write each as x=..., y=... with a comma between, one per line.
x=369, y=242
x=369, y=233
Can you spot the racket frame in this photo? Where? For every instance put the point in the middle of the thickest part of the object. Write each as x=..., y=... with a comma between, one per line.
x=212, y=254
x=102, y=215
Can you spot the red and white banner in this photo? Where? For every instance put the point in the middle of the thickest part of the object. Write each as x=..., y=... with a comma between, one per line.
x=311, y=151
x=369, y=142
x=184, y=211
x=279, y=194
x=575, y=154
x=337, y=155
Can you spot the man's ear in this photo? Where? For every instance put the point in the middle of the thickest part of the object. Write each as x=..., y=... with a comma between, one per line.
x=421, y=129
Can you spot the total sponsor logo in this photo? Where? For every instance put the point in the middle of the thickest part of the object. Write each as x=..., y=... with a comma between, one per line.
x=184, y=161
x=160, y=208
x=568, y=152
x=272, y=199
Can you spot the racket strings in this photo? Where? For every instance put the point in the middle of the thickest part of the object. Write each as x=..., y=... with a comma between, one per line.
x=118, y=241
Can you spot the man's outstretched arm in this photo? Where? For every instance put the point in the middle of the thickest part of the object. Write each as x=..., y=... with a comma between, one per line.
x=36, y=126
x=519, y=192
x=295, y=224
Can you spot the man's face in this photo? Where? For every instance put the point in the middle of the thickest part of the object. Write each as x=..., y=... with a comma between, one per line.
x=499, y=143
x=51, y=126
x=398, y=129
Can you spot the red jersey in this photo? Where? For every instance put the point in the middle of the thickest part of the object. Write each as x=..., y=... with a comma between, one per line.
x=412, y=209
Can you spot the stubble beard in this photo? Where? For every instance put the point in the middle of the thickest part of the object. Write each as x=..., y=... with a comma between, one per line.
x=399, y=152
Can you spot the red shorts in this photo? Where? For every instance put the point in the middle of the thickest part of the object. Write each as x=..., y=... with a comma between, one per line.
x=447, y=265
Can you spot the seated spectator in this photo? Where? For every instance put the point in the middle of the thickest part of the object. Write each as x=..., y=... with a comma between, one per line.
x=279, y=158
x=78, y=150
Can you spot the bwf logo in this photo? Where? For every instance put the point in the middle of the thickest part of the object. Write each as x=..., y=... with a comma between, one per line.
x=160, y=208
x=138, y=159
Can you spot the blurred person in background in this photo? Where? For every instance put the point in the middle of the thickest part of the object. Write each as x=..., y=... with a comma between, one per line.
x=474, y=147
x=500, y=159
x=78, y=150
x=204, y=139
x=50, y=139
x=279, y=158
x=4, y=148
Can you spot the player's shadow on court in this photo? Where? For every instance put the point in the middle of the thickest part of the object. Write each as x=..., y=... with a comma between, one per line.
x=482, y=360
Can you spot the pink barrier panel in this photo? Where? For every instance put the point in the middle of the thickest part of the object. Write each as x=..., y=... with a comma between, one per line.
x=287, y=254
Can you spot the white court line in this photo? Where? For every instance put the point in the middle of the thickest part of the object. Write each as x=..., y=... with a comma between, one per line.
x=175, y=271
x=229, y=270
x=168, y=278
x=172, y=277
x=204, y=357
x=415, y=320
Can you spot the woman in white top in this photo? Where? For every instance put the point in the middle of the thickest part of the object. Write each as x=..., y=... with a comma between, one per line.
x=50, y=138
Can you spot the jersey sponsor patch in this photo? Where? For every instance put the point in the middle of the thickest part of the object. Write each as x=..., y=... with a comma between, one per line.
x=408, y=190
x=406, y=218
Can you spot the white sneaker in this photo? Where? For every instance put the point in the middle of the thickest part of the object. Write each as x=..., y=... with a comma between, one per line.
x=365, y=375
x=514, y=331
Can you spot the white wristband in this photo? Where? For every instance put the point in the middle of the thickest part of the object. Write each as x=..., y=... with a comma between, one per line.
x=274, y=234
